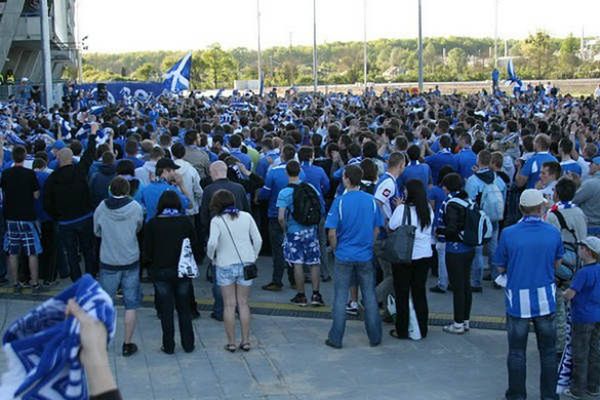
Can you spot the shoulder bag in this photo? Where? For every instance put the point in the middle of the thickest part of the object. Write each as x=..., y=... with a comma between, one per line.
x=250, y=270
x=398, y=246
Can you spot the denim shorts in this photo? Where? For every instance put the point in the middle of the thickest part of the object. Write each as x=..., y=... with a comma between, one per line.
x=230, y=274
x=128, y=279
x=302, y=247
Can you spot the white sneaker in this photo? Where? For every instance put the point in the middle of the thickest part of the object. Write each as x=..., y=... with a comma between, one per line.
x=467, y=326
x=571, y=395
x=456, y=329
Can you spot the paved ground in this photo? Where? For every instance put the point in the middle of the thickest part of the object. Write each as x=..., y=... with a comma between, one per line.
x=289, y=361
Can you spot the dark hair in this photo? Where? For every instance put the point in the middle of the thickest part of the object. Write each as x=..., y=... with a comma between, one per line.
x=39, y=163
x=484, y=157
x=445, y=170
x=19, y=154
x=414, y=152
x=354, y=174
x=235, y=141
x=178, y=150
x=452, y=182
x=445, y=141
x=169, y=199
x=292, y=168
x=369, y=149
x=131, y=147
x=119, y=186
x=396, y=159
x=370, y=170
x=76, y=147
x=108, y=158
x=220, y=201
x=565, y=189
x=288, y=153
x=125, y=167
x=554, y=168
x=190, y=137
x=417, y=196
x=566, y=145
x=305, y=153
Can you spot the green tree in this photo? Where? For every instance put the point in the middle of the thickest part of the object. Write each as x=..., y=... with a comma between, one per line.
x=538, y=50
x=145, y=72
x=220, y=66
x=431, y=57
x=567, y=57
x=457, y=61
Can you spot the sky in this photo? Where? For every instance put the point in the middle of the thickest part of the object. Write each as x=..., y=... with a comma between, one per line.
x=140, y=25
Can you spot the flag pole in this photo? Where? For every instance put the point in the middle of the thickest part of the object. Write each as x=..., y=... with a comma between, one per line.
x=258, y=38
x=315, y=75
x=365, y=60
x=496, y=34
x=420, y=51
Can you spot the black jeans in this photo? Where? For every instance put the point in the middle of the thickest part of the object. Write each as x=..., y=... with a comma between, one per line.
x=586, y=358
x=175, y=294
x=279, y=264
x=411, y=278
x=47, y=260
x=459, y=275
x=79, y=236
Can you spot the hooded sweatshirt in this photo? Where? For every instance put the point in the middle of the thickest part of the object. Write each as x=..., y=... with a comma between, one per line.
x=191, y=181
x=477, y=182
x=100, y=182
x=117, y=220
x=145, y=173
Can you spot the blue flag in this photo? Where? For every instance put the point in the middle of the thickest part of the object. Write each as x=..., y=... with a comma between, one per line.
x=178, y=77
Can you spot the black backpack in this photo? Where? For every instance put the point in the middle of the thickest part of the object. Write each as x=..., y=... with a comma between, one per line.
x=307, y=206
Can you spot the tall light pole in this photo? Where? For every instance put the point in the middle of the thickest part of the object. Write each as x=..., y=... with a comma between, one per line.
x=258, y=38
x=420, y=51
x=496, y=34
x=315, y=75
x=365, y=42
x=46, y=55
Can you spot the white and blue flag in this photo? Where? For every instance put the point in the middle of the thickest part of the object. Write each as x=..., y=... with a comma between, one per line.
x=178, y=77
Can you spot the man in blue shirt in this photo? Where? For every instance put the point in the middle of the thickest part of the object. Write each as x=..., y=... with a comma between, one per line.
x=567, y=164
x=235, y=142
x=317, y=177
x=465, y=158
x=167, y=179
x=268, y=157
x=354, y=221
x=415, y=169
x=529, y=174
x=442, y=158
x=529, y=252
x=584, y=294
x=276, y=180
x=301, y=244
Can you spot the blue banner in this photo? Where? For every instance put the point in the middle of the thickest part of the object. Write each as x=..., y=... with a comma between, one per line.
x=125, y=91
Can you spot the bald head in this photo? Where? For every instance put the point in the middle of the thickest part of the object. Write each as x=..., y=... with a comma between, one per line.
x=218, y=170
x=65, y=157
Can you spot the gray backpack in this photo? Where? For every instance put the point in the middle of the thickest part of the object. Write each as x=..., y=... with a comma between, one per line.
x=398, y=246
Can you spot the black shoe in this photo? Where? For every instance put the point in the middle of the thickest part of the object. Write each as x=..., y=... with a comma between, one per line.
x=166, y=351
x=487, y=277
x=299, y=299
x=272, y=287
x=129, y=349
x=18, y=288
x=215, y=317
x=328, y=279
x=37, y=289
x=3, y=281
x=496, y=286
x=450, y=288
x=189, y=349
x=317, y=300
x=436, y=289
x=476, y=289
x=195, y=314
x=331, y=344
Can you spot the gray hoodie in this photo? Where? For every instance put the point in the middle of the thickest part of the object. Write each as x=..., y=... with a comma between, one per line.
x=146, y=172
x=117, y=222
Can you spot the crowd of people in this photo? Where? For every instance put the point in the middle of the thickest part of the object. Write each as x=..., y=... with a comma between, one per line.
x=497, y=188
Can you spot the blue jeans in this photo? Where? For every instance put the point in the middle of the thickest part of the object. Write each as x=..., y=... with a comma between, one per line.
x=518, y=332
x=3, y=255
x=342, y=273
x=477, y=265
x=128, y=279
x=216, y=292
x=442, y=270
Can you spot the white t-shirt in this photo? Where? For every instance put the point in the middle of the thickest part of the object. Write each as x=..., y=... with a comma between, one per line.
x=423, y=239
x=385, y=192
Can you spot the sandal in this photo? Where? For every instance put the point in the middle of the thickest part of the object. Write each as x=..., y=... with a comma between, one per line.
x=245, y=346
x=230, y=348
x=394, y=333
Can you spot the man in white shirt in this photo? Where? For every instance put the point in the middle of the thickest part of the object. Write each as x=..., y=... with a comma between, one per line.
x=191, y=178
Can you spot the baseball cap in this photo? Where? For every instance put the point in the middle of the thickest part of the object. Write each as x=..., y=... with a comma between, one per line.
x=166, y=163
x=531, y=198
x=591, y=242
x=596, y=160
x=59, y=145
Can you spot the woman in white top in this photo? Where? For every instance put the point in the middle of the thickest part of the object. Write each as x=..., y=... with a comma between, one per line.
x=411, y=278
x=234, y=242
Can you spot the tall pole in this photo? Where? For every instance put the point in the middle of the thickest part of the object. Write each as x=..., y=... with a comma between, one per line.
x=420, y=51
x=315, y=75
x=496, y=35
x=258, y=38
x=47, y=66
x=365, y=42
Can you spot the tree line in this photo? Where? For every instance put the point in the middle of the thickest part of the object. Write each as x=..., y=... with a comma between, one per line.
x=538, y=56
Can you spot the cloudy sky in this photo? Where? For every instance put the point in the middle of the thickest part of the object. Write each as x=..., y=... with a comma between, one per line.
x=127, y=25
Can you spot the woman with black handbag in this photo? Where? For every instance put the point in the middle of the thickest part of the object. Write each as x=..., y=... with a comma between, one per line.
x=410, y=278
x=233, y=247
x=164, y=237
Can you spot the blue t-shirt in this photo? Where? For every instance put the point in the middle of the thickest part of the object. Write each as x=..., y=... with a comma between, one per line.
x=244, y=158
x=41, y=214
x=276, y=180
x=438, y=196
x=571, y=166
x=317, y=177
x=585, y=306
x=415, y=170
x=466, y=159
x=149, y=195
x=529, y=250
x=439, y=160
x=354, y=216
x=533, y=167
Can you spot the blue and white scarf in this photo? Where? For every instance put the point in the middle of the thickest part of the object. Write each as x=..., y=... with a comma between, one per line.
x=42, y=347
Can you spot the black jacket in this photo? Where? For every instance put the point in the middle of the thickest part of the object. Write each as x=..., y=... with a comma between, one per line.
x=241, y=201
x=100, y=183
x=454, y=219
x=66, y=192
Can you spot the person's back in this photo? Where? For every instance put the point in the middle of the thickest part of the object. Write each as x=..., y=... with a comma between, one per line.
x=588, y=194
x=163, y=237
x=245, y=237
x=101, y=180
x=18, y=186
